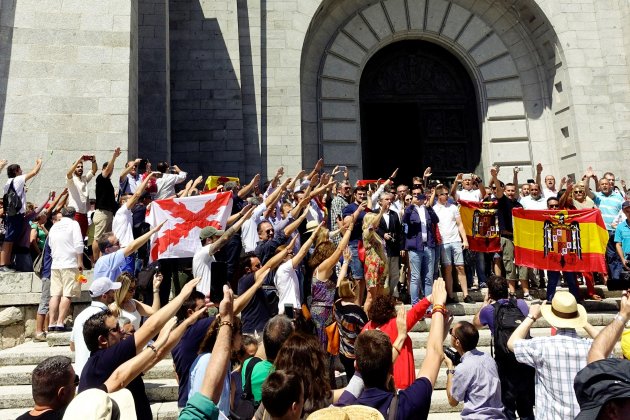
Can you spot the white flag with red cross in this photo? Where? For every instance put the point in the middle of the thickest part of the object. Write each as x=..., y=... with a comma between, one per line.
x=185, y=217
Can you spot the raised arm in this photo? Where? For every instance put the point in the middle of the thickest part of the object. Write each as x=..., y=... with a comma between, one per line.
x=401, y=326
x=539, y=169
x=128, y=168
x=433, y=359
x=605, y=341
x=456, y=182
x=318, y=167
x=324, y=270
x=292, y=227
x=35, y=170
x=297, y=178
x=297, y=258
x=140, y=190
x=143, y=308
x=141, y=240
x=425, y=176
x=107, y=172
x=156, y=321
x=587, y=181
x=566, y=198
x=74, y=167
x=520, y=333
x=233, y=229
x=272, y=198
x=498, y=192
x=247, y=189
x=515, y=172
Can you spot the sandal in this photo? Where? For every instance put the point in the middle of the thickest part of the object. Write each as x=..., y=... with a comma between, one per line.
x=595, y=297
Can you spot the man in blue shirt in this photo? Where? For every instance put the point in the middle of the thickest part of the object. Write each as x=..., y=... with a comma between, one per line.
x=622, y=236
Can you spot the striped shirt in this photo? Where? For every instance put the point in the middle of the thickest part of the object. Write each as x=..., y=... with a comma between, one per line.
x=557, y=360
x=609, y=205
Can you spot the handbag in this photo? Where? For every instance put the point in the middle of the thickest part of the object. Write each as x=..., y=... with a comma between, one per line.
x=332, y=333
x=38, y=264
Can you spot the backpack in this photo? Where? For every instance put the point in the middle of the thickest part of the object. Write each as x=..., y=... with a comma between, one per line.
x=12, y=201
x=517, y=379
x=245, y=407
x=271, y=293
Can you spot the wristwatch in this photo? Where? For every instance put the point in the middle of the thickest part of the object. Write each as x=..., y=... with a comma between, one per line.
x=450, y=371
x=530, y=316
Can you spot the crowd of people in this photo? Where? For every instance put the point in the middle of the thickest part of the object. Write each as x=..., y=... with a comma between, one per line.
x=310, y=272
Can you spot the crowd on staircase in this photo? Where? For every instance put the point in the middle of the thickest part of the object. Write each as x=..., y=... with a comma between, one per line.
x=263, y=293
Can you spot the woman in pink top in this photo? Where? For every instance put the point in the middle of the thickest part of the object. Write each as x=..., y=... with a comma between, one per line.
x=382, y=316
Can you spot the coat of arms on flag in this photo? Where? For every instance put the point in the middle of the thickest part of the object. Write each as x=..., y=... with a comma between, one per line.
x=185, y=217
x=560, y=240
x=481, y=224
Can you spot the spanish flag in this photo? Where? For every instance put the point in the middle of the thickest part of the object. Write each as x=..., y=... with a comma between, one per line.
x=560, y=240
x=481, y=223
x=213, y=181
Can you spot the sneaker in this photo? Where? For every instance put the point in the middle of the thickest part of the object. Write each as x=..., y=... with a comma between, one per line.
x=469, y=299
x=528, y=297
x=52, y=328
x=483, y=286
x=450, y=300
x=40, y=337
x=5, y=269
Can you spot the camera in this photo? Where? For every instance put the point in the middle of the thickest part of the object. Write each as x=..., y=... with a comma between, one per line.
x=453, y=355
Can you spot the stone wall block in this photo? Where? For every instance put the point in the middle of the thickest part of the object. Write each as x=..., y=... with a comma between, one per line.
x=457, y=18
x=10, y=316
x=15, y=283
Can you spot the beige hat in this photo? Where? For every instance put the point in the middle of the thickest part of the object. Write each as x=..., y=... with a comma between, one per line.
x=350, y=412
x=95, y=404
x=311, y=226
x=564, y=311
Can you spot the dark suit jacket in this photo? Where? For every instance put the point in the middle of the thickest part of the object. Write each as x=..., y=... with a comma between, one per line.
x=394, y=246
x=413, y=236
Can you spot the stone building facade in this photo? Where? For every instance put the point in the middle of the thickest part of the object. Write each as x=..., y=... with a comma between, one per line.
x=240, y=87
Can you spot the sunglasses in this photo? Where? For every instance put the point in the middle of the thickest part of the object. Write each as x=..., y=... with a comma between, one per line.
x=452, y=333
x=578, y=191
x=117, y=243
x=554, y=206
x=116, y=329
x=440, y=194
x=269, y=231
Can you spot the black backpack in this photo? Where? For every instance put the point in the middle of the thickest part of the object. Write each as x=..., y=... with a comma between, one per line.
x=12, y=201
x=245, y=407
x=517, y=379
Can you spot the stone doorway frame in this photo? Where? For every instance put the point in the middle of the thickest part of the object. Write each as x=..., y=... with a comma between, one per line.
x=512, y=72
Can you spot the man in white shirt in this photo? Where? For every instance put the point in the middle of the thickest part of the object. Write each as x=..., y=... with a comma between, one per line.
x=535, y=199
x=212, y=240
x=78, y=190
x=14, y=223
x=166, y=183
x=102, y=293
x=454, y=242
x=66, y=247
x=548, y=189
x=468, y=191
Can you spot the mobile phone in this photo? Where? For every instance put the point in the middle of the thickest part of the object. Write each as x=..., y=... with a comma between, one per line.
x=87, y=157
x=342, y=168
x=218, y=273
x=531, y=181
x=288, y=310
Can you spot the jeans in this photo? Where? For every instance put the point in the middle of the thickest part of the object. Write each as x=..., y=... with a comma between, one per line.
x=421, y=264
x=475, y=262
x=552, y=282
x=612, y=259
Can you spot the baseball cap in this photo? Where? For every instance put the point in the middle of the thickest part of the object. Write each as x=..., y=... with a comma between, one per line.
x=96, y=404
x=600, y=382
x=102, y=285
x=209, y=232
x=625, y=204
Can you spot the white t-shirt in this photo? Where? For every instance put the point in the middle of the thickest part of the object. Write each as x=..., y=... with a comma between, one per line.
x=249, y=229
x=202, y=261
x=448, y=223
x=122, y=226
x=78, y=192
x=166, y=184
x=81, y=352
x=529, y=203
x=288, y=286
x=18, y=185
x=469, y=195
x=65, y=242
x=546, y=192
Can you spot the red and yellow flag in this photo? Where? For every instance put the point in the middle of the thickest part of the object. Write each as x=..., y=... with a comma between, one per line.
x=481, y=223
x=560, y=240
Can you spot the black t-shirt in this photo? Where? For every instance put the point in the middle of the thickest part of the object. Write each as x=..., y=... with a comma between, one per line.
x=105, y=195
x=255, y=315
x=505, y=206
x=185, y=353
x=102, y=363
x=48, y=415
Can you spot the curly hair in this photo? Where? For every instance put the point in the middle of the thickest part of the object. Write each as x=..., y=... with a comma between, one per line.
x=213, y=331
x=321, y=252
x=383, y=309
x=303, y=353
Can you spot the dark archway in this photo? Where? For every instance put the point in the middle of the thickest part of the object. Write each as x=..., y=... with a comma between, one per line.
x=418, y=109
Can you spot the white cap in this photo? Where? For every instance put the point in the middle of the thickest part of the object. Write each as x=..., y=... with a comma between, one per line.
x=102, y=285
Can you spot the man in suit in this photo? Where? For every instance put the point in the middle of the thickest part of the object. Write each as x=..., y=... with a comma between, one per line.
x=421, y=244
x=390, y=229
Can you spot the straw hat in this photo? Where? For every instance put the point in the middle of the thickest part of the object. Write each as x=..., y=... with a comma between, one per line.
x=350, y=412
x=311, y=226
x=95, y=404
x=564, y=311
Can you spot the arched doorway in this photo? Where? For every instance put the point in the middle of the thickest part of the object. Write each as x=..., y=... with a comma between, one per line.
x=418, y=109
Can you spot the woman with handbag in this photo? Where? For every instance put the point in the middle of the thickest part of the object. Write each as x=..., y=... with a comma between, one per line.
x=349, y=319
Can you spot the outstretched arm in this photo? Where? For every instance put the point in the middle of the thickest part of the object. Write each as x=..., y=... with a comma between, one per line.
x=128, y=168
x=520, y=333
x=433, y=359
x=107, y=172
x=297, y=258
x=458, y=180
x=232, y=229
x=605, y=341
x=141, y=240
x=35, y=170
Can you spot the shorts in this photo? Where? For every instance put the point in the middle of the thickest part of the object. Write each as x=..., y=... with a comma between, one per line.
x=452, y=254
x=102, y=220
x=14, y=226
x=42, y=309
x=63, y=282
x=81, y=218
x=356, y=265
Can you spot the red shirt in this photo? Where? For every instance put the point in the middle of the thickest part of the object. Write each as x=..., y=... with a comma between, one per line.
x=404, y=367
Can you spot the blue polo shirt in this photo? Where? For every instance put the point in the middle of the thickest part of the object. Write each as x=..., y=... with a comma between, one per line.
x=622, y=236
x=609, y=205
